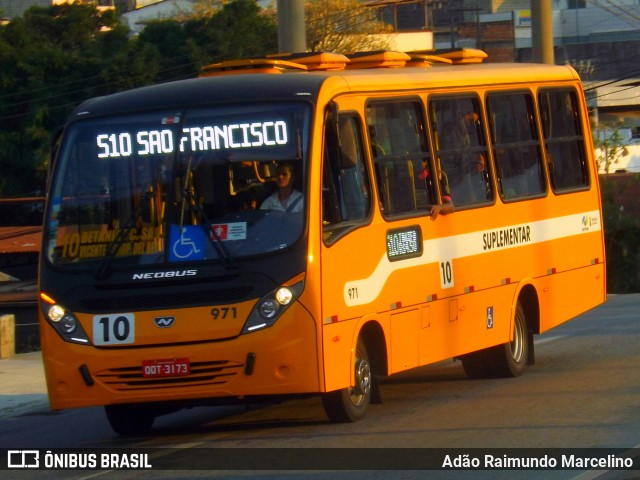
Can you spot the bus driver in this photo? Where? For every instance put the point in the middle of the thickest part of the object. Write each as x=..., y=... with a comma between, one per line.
x=286, y=198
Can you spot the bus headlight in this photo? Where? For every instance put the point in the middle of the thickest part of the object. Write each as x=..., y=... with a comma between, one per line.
x=55, y=313
x=271, y=306
x=284, y=295
x=63, y=321
x=58, y=315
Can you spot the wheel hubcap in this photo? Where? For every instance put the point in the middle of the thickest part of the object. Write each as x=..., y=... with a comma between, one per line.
x=363, y=382
x=517, y=345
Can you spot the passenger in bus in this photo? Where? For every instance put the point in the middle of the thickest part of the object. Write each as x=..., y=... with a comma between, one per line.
x=447, y=205
x=286, y=198
x=470, y=177
x=443, y=208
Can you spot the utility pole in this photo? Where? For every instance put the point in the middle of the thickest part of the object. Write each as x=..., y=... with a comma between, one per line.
x=292, y=35
x=542, y=31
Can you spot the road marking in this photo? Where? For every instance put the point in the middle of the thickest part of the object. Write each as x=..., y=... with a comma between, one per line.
x=539, y=341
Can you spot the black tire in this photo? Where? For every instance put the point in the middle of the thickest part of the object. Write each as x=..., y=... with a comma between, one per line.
x=475, y=364
x=128, y=420
x=507, y=360
x=350, y=404
x=511, y=358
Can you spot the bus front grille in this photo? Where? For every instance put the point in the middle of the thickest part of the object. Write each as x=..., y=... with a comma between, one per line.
x=202, y=373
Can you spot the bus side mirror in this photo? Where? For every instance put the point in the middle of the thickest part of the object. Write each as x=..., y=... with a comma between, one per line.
x=332, y=142
x=53, y=149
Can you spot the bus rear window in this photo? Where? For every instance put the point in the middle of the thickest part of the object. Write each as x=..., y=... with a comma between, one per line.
x=516, y=146
x=563, y=139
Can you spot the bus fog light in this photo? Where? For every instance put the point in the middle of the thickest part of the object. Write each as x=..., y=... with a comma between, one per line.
x=269, y=308
x=68, y=324
x=56, y=313
x=284, y=296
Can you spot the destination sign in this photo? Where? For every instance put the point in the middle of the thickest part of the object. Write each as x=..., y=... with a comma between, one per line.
x=404, y=243
x=272, y=133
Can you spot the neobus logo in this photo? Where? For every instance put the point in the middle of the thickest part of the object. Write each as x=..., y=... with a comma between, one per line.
x=169, y=274
x=164, y=322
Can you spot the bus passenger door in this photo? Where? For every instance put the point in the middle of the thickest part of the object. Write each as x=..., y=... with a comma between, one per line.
x=346, y=207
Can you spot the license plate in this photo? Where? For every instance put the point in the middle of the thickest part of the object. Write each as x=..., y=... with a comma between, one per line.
x=168, y=367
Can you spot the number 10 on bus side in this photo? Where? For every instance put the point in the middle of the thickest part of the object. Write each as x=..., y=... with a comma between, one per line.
x=446, y=274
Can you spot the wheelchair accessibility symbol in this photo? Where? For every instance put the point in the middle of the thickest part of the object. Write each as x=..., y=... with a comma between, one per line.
x=489, y=317
x=187, y=243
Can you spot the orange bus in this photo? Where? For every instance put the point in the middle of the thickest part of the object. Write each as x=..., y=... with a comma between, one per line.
x=305, y=225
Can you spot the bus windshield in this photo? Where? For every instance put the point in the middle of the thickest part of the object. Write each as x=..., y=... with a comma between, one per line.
x=179, y=186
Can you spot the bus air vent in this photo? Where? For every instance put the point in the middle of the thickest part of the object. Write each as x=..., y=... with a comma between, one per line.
x=315, y=60
x=378, y=59
x=460, y=56
x=426, y=58
x=260, y=65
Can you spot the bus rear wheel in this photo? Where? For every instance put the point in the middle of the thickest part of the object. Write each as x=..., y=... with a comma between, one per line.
x=128, y=420
x=511, y=358
x=350, y=404
x=506, y=360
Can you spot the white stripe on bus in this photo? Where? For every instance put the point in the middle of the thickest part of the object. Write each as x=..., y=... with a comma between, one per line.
x=471, y=244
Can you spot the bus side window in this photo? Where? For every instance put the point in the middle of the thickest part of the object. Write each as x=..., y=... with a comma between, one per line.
x=399, y=149
x=564, y=141
x=461, y=148
x=516, y=146
x=352, y=176
x=345, y=182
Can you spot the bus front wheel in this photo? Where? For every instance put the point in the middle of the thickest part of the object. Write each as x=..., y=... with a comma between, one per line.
x=127, y=420
x=350, y=404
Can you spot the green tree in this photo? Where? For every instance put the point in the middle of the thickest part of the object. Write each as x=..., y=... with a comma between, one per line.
x=47, y=51
x=177, y=54
x=622, y=232
x=609, y=146
x=243, y=31
x=126, y=63
x=238, y=29
x=51, y=60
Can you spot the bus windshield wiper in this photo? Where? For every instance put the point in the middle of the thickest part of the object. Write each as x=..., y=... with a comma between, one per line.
x=112, y=248
x=209, y=232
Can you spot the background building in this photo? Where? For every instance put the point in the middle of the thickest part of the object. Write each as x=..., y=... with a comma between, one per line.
x=14, y=8
x=147, y=11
